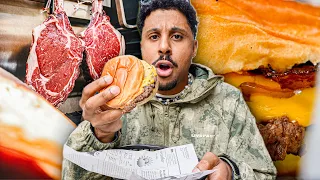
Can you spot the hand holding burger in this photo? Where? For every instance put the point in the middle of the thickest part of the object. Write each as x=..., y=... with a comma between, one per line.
x=105, y=123
x=125, y=83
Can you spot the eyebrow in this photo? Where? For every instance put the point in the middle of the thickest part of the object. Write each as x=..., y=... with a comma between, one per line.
x=152, y=30
x=177, y=29
x=172, y=30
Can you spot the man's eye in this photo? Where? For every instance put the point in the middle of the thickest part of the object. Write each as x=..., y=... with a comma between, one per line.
x=154, y=37
x=177, y=37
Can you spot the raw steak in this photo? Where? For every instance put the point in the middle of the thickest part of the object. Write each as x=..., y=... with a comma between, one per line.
x=103, y=41
x=55, y=57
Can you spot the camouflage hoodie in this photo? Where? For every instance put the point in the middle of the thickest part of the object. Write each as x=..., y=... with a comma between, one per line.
x=212, y=116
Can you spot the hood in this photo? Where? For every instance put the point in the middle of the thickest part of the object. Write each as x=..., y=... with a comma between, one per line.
x=204, y=82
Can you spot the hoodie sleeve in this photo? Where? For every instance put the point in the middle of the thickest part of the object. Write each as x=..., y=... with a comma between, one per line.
x=83, y=139
x=246, y=149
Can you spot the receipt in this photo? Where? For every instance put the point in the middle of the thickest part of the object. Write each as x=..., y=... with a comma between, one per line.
x=170, y=163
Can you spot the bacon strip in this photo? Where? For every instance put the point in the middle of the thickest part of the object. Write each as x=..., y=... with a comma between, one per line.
x=249, y=88
x=299, y=77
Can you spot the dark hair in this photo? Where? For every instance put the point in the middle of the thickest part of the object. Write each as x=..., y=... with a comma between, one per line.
x=184, y=6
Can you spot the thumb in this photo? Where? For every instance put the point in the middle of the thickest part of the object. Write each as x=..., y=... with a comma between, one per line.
x=208, y=161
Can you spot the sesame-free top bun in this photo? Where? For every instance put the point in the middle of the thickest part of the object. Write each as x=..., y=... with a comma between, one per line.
x=243, y=35
x=136, y=79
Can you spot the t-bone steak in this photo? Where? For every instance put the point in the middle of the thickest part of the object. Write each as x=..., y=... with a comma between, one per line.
x=54, y=58
x=103, y=41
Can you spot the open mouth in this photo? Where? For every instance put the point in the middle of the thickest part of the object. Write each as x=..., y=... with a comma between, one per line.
x=164, y=68
x=164, y=64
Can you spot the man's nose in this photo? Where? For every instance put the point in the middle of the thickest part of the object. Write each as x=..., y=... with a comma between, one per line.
x=164, y=46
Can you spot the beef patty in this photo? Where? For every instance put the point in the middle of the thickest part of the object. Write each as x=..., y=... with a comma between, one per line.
x=282, y=137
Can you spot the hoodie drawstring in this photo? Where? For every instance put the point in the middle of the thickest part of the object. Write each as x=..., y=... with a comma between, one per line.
x=151, y=114
x=175, y=137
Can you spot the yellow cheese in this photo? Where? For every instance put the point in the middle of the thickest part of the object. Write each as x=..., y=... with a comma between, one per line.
x=289, y=166
x=298, y=108
x=150, y=73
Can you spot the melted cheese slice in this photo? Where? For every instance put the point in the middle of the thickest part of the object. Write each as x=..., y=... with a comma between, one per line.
x=149, y=74
x=298, y=108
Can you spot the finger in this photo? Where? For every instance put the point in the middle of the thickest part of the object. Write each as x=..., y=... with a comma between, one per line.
x=222, y=171
x=94, y=103
x=106, y=118
x=94, y=87
x=208, y=161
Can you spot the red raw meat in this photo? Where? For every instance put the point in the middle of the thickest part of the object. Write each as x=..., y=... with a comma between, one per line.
x=54, y=58
x=103, y=41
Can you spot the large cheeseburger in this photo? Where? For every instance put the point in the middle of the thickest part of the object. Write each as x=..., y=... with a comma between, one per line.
x=136, y=79
x=270, y=50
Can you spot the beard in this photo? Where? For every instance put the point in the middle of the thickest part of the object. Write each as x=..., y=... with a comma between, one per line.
x=168, y=86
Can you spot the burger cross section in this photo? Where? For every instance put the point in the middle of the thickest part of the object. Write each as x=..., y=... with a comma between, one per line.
x=273, y=59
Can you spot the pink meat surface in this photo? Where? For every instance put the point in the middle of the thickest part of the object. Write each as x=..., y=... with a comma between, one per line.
x=103, y=42
x=54, y=58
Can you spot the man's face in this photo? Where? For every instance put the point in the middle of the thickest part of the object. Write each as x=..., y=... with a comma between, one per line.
x=167, y=42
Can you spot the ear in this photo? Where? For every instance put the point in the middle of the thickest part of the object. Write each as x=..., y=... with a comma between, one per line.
x=195, y=48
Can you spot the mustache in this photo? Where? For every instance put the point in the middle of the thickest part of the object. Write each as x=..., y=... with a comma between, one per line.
x=167, y=58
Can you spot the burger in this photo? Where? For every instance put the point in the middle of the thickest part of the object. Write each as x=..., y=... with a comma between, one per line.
x=270, y=50
x=136, y=79
x=32, y=132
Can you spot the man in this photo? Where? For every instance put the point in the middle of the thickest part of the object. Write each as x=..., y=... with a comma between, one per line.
x=192, y=105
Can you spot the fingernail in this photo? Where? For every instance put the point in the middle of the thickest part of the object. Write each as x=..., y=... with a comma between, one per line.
x=115, y=90
x=195, y=170
x=107, y=79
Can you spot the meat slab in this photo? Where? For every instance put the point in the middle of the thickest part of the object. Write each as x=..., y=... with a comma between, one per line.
x=103, y=42
x=54, y=58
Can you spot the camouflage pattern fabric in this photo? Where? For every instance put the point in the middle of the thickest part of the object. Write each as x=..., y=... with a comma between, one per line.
x=212, y=115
